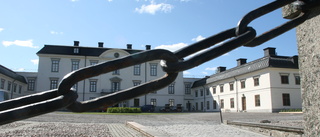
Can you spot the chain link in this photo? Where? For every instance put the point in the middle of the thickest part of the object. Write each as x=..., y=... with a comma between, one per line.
x=172, y=64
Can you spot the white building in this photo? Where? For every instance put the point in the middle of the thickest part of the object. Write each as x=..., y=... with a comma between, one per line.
x=55, y=61
x=12, y=84
x=268, y=84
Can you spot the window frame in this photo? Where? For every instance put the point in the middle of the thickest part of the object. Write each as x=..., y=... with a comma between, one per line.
x=75, y=64
x=137, y=70
x=286, y=99
x=55, y=64
x=243, y=84
x=153, y=69
x=171, y=88
x=256, y=81
x=284, y=78
x=93, y=85
x=257, y=100
x=231, y=86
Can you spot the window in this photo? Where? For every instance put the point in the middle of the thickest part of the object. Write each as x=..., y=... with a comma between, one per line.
x=207, y=91
x=196, y=93
x=116, y=72
x=221, y=89
x=214, y=90
x=196, y=105
x=284, y=78
x=221, y=103
x=53, y=83
x=187, y=88
x=286, y=99
x=76, y=50
x=136, y=82
x=93, y=62
x=2, y=83
x=55, y=65
x=171, y=88
x=243, y=83
x=208, y=105
x=231, y=102
x=153, y=69
x=31, y=84
x=153, y=102
x=297, y=79
x=256, y=81
x=115, y=86
x=9, y=86
x=201, y=92
x=231, y=84
x=171, y=102
x=93, y=86
x=136, y=70
x=214, y=104
x=257, y=100
x=74, y=64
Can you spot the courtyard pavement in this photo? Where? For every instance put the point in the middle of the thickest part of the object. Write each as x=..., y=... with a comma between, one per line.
x=167, y=124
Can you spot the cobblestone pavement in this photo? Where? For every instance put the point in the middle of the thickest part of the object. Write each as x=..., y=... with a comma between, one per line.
x=172, y=124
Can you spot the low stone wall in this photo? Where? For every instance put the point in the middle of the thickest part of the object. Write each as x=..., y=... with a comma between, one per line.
x=268, y=129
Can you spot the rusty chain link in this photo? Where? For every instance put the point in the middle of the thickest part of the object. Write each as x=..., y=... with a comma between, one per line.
x=172, y=63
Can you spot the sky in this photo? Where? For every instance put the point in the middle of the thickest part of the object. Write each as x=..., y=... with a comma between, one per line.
x=26, y=26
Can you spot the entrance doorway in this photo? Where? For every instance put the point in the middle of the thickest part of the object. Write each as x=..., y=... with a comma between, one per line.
x=244, y=103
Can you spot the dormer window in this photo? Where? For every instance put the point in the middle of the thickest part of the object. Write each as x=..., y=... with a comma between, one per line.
x=76, y=50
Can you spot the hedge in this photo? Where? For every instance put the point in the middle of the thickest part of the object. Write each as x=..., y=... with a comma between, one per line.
x=123, y=110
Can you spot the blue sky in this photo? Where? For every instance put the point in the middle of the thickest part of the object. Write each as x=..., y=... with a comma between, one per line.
x=26, y=26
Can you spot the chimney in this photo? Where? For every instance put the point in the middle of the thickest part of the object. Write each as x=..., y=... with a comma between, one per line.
x=221, y=69
x=241, y=61
x=269, y=51
x=76, y=43
x=148, y=47
x=100, y=44
x=129, y=46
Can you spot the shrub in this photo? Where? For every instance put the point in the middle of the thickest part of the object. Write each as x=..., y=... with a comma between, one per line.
x=123, y=110
x=291, y=110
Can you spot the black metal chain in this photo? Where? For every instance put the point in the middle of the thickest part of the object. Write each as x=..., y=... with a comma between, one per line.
x=172, y=63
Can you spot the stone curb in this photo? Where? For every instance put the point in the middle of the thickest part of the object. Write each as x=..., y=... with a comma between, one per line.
x=276, y=128
x=145, y=130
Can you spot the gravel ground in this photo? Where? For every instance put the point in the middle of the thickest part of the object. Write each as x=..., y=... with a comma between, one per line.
x=172, y=124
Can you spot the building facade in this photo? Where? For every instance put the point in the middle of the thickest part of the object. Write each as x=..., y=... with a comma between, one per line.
x=12, y=84
x=268, y=84
x=56, y=61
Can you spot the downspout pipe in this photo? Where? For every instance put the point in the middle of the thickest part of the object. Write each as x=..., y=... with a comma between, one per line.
x=237, y=93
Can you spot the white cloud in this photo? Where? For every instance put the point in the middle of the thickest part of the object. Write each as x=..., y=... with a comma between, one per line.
x=152, y=8
x=35, y=61
x=199, y=38
x=26, y=43
x=74, y=0
x=204, y=73
x=173, y=47
x=56, y=33
x=212, y=69
x=1, y=29
x=109, y=0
